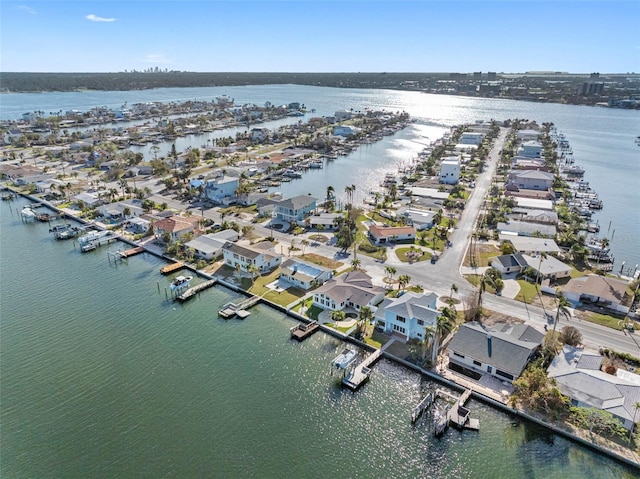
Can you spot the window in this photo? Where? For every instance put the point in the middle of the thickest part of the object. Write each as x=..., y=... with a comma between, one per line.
x=421, y=322
x=458, y=354
x=400, y=319
x=504, y=375
x=400, y=329
x=477, y=363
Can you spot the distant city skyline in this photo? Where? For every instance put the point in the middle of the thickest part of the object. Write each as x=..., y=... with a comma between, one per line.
x=329, y=36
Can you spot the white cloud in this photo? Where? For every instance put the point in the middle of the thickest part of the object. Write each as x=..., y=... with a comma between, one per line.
x=27, y=9
x=96, y=18
x=156, y=58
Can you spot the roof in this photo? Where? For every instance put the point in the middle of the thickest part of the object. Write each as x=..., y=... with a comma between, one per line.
x=390, y=231
x=540, y=216
x=415, y=305
x=546, y=266
x=528, y=243
x=527, y=228
x=511, y=347
x=297, y=202
x=603, y=287
x=578, y=376
x=512, y=260
x=355, y=286
x=250, y=252
x=534, y=203
x=176, y=223
x=302, y=269
x=212, y=242
x=531, y=174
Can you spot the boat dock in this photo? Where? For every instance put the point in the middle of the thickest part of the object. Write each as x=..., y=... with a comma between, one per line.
x=131, y=252
x=92, y=243
x=303, y=331
x=361, y=372
x=230, y=310
x=426, y=402
x=457, y=414
x=191, y=292
x=170, y=268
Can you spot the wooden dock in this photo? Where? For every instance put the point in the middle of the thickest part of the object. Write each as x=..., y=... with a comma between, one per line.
x=426, y=402
x=191, y=292
x=95, y=243
x=170, y=268
x=230, y=310
x=131, y=252
x=457, y=415
x=361, y=372
x=303, y=331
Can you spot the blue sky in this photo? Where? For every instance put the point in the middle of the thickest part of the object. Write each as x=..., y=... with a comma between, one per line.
x=329, y=36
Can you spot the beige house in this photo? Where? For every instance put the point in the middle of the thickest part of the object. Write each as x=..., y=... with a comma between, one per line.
x=352, y=290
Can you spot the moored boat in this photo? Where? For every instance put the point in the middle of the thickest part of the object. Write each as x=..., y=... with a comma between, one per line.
x=180, y=282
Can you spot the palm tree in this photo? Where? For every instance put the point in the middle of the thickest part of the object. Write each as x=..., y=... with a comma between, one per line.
x=338, y=315
x=253, y=270
x=304, y=243
x=454, y=289
x=539, y=281
x=563, y=308
x=445, y=322
x=365, y=317
x=403, y=281
x=355, y=264
x=330, y=193
x=390, y=271
x=604, y=244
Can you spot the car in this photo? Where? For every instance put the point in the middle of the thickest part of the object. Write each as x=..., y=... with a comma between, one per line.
x=434, y=259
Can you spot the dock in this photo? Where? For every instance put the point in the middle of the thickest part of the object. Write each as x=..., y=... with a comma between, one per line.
x=131, y=252
x=361, y=372
x=230, y=310
x=170, y=268
x=457, y=415
x=426, y=402
x=303, y=331
x=93, y=243
x=191, y=292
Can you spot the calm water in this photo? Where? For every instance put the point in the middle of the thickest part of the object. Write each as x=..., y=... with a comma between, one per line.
x=602, y=138
x=102, y=377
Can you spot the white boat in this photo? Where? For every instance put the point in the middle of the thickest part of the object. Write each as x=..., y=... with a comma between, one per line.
x=345, y=358
x=180, y=282
x=28, y=213
x=93, y=236
x=316, y=164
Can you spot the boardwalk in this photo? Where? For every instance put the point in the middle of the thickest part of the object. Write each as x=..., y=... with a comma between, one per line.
x=131, y=252
x=170, y=268
x=191, y=292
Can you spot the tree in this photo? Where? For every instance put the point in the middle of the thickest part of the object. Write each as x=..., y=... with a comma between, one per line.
x=570, y=335
x=390, y=271
x=355, y=264
x=338, y=315
x=445, y=322
x=304, y=243
x=365, y=317
x=454, y=289
x=254, y=271
x=403, y=281
x=562, y=304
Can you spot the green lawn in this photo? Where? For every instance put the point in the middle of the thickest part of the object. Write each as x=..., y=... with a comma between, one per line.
x=603, y=319
x=259, y=288
x=401, y=253
x=527, y=292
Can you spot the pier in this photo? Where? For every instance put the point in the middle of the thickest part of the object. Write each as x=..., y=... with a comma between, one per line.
x=191, y=292
x=170, y=268
x=426, y=402
x=230, y=310
x=457, y=414
x=361, y=372
x=92, y=243
x=303, y=331
x=131, y=252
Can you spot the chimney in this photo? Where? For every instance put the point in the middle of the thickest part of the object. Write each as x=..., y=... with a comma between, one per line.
x=489, y=344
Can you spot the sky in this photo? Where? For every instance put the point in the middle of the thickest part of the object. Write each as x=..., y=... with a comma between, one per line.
x=328, y=36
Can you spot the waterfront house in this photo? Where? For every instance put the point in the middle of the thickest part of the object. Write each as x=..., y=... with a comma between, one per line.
x=530, y=180
x=209, y=246
x=304, y=275
x=259, y=134
x=222, y=189
x=389, y=234
x=525, y=163
x=408, y=315
x=534, y=216
x=351, y=290
x=341, y=115
x=90, y=199
x=509, y=263
x=522, y=228
x=121, y=210
x=137, y=225
x=530, y=149
x=176, y=226
x=345, y=130
x=578, y=376
x=602, y=290
x=295, y=209
x=324, y=221
x=528, y=135
x=261, y=255
x=534, y=203
x=502, y=351
x=450, y=170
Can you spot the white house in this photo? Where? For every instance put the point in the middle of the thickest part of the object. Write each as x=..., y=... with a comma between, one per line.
x=345, y=130
x=530, y=180
x=509, y=263
x=342, y=115
x=531, y=149
x=578, y=376
x=471, y=138
x=593, y=288
x=548, y=267
x=450, y=170
x=303, y=274
x=390, y=234
x=222, y=189
x=408, y=315
x=351, y=290
x=261, y=255
x=295, y=209
x=259, y=134
x=522, y=228
x=209, y=246
x=503, y=351
x=419, y=219
x=122, y=210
